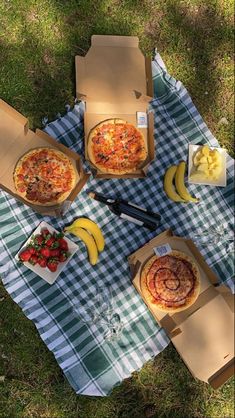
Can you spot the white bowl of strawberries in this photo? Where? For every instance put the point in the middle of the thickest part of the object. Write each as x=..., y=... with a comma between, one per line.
x=47, y=252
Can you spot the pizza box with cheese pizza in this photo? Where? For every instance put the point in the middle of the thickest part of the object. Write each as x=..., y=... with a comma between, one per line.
x=18, y=147
x=165, y=271
x=115, y=81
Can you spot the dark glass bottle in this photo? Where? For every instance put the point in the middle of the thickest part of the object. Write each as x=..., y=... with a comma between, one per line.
x=129, y=211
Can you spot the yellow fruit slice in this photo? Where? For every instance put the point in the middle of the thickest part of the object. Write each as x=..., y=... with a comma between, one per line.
x=205, y=150
x=202, y=167
x=91, y=227
x=197, y=175
x=179, y=183
x=168, y=185
x=196, y=158
x=203, y=160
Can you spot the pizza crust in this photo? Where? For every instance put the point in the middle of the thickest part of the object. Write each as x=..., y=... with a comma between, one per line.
x=91, y=155
x=191, y=296
x=63, y=157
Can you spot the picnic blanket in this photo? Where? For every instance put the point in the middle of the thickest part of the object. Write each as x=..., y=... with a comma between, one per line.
x=92, y=365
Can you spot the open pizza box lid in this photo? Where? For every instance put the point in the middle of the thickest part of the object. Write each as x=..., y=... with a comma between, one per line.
x=203, y=334
x=15, y=140
x=115, y=81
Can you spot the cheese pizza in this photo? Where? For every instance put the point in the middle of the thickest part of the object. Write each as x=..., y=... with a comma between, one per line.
x=44, y=176
x=116, y=146
x=170, y=282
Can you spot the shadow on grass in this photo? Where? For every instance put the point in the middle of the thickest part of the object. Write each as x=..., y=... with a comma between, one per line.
x=162, y=388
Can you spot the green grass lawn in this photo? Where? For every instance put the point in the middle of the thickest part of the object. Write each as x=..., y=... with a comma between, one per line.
x=38, y=42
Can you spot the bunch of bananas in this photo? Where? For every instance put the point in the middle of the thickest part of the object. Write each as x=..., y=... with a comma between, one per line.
x=89, y=232
x=179, y=193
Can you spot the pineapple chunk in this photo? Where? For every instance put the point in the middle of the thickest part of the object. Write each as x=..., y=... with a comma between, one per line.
x=205, y=150
x=196, y=158
x=202, y=167
x=203, y=160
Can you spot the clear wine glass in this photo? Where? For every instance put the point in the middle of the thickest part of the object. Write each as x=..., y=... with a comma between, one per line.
x=214, y=235
x=99, y=310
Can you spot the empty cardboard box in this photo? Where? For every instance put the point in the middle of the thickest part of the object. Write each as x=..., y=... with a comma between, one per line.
x=203, y=334
x=15, y=140
x=115, y=81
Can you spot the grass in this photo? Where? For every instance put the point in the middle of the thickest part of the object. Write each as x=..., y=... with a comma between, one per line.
x=38, y=42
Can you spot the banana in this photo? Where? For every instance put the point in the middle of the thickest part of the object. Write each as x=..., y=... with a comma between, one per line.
x=90, y=243
x=91, y=227
x=168, y=184
x=179, y=183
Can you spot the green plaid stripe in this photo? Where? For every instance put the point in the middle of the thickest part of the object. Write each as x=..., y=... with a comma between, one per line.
x=93, y=366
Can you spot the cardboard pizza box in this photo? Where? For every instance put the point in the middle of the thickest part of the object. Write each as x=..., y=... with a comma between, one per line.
x=15, y=140
x=115, y=81
x=203, y=334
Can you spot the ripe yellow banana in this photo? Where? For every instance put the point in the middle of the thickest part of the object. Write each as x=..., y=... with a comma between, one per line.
x=90, y=243
x=179, y=183
x=92, y=227
x=168, y=184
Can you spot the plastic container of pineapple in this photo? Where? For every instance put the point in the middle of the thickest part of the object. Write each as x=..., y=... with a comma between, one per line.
x=207, y=165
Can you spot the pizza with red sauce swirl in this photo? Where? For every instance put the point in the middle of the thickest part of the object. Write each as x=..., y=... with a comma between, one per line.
x=170, y=282
x=44, y=176
x=116, y=146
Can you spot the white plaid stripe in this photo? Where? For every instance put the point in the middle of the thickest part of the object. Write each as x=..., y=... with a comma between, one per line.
x=92, y=366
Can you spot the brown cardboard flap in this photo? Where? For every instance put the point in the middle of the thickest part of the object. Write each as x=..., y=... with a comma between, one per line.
x=53, y=142
x=112, y=40
x=149, y=77
x=109, y=74
x=10, y=111
x=206, y=342
x=220, y=377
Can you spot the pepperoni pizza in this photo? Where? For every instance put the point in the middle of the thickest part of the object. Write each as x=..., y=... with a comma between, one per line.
x=116, y=146
x=170, y=282
x=44, y=176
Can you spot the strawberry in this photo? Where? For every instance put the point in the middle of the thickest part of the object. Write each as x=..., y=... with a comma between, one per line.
x=52, y=264
x=33, y=259
x=45, y=252
x=63, y=244
x=45, y=233
x=38, y=239
x=63, y=256
x=31, y=250
x=55, y=252
x=42, y=262
x=50, y=241
x=25, y=255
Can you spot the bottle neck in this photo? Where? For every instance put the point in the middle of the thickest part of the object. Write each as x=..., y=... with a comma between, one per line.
x=103, y=199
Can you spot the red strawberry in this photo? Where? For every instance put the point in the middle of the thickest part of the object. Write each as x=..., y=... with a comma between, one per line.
x=38, y=239
x=49, y=242
x=42, y=262
x=33, y=259
x=32, y=250
x=52, y=264
x=45, y=252
x=55, y=252
x=25, y=255
x=63, y=256
x=63, y=244
x=45, y=232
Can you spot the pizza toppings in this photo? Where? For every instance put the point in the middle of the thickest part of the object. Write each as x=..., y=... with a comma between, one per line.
x=170, y=282
x=44, y=176
x=116, y=146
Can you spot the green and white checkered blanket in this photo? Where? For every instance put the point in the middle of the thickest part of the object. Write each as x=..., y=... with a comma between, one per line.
x=91, y=365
